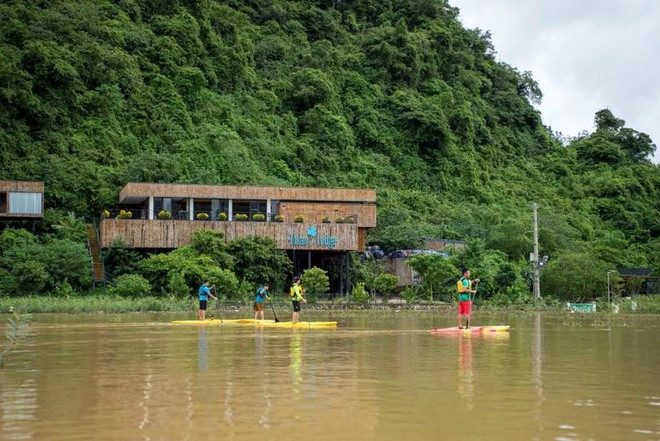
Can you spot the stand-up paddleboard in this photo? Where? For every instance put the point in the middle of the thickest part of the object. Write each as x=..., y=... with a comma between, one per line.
x=209, y=322
x=470, y=330
x=304, y=325
x=265, y=323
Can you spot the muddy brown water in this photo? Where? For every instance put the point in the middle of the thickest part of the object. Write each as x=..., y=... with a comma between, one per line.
x=378, y=376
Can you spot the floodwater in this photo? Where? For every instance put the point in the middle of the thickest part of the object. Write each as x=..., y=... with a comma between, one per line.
x=379, y=376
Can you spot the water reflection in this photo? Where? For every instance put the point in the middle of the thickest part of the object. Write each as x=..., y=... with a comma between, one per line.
x=203, y=349
x=18, y=411
x=296, y=360
x=465, y=372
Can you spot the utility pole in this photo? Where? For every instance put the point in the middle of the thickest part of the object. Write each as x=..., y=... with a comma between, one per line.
x=535, y=256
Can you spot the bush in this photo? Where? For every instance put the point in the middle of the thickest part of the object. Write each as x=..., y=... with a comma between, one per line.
x=278, y=218
x=131, y=285
x=222, y=216
x=339, y=220
x=125, y=214
x=241, y=217
x=258, y=217
x=258, y=259
x=326, y=219
x=106, y=214
x=385, y=284
x=202, y=216
x=164, y=214
x=359, y=294
x=411, y=293
x=120, y=258
x=315, y=281
x=299, y=218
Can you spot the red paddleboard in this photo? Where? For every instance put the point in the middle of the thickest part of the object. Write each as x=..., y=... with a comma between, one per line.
x=471, y=329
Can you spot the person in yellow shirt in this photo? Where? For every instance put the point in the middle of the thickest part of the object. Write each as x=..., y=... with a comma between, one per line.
x=297, y=294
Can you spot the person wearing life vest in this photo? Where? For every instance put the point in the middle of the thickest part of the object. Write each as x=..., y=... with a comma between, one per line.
x=262, y=293
x=297, y=294
x=465, y=293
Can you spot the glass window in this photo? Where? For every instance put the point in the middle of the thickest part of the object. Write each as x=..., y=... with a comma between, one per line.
x=3, y=202
x=25, y=203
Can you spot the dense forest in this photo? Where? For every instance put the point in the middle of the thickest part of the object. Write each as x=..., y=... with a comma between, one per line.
x=391, y=94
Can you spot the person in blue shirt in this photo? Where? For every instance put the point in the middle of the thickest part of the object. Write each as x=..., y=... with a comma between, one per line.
x=204, y=294
x=262, y=293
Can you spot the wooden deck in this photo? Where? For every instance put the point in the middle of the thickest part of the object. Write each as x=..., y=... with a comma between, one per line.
x=168, y=234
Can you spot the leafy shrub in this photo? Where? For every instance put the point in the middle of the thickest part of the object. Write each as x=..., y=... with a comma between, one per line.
x=385, y=284
x=164, y=214
x=278, y=218
x=120, y=258
x=259, y=217
x=131, y=285
x=326, y=219
x=359, y=294
x=411, y=293
x=202, y=216
x=299, y=218
x=106, y=214
x=125, y=214
x=258, y=259
x=241, y=217
x=222, y=216
x=339, y=220
x=315, y=281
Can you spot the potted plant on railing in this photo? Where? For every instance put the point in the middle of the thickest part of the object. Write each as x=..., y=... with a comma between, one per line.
x=339, y=220
x=164, y=214
x=299, y=218
x=106, y=214
x=349, y=220
x=125, y=214
x=222, y=216
x=258, y=217
x=241, y=217
x=326, y=219
x=278, y=218
x=202, y=216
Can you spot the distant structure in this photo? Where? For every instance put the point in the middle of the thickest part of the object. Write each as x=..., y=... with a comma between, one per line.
x=21, y=201
x=638, y=281
x=313, y=225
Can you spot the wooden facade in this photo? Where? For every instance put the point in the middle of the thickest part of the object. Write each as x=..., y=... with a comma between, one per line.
x=145, y=230
x=134, y=191
x=12, y=191
x=167, y=234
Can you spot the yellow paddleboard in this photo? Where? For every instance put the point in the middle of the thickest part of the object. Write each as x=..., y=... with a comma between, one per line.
x=209, y=322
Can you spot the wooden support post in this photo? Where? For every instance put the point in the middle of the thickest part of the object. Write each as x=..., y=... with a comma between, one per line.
x=348, y=273
x=341, y=274
x=309, y=259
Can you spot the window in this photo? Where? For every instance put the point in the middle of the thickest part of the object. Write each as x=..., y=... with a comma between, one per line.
x=25, y=203
x=3, y=202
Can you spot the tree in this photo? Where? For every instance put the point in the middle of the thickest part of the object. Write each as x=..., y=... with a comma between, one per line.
x=437, y=273
x=258, y=260
x=315, y=281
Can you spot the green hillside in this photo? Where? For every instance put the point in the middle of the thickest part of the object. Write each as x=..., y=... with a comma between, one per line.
x=390, y=94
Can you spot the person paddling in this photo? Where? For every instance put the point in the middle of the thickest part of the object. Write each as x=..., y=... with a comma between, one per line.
x=297, y=295
x=262, y=293
x=204, y=293
x=465, y=292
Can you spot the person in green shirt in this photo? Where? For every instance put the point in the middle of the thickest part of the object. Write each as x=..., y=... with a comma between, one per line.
x=465, y=297
x=297, y=294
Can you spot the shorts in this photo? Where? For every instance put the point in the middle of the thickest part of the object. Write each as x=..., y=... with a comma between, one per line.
x=296, y=305
x=464, y=307
x=258, y=306
x=202, y=305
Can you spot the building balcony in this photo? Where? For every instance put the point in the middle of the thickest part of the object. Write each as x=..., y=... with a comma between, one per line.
x=173, y=233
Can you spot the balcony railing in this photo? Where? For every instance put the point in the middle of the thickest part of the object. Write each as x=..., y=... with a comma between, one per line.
x=143, y=214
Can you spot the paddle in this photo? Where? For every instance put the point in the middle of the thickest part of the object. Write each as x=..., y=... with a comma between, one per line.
x=217, y=305
x=271, y=307
x=472, y=297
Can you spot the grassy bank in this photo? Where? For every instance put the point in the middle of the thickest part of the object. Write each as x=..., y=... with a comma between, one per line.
x=114, y=304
